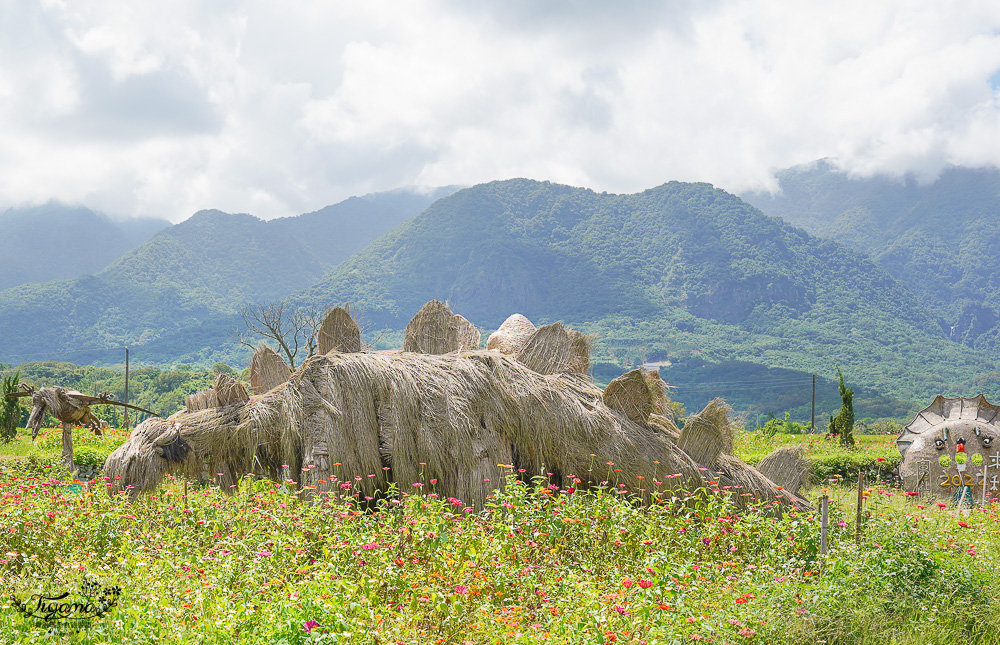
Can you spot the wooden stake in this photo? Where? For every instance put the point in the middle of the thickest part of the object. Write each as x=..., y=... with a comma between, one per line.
x=824, y=506
x=861, y=488
x=67, y=447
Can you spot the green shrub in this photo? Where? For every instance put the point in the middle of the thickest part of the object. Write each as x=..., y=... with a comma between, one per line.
x=10, y=409
x=89, y=462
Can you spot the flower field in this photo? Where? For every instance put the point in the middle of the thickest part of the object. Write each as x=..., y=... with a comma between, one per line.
x=539, y=564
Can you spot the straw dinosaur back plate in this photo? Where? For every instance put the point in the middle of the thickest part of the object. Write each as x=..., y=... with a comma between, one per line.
x=951, y=447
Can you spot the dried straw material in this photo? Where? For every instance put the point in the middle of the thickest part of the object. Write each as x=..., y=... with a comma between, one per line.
x=512, y=335
x=267, y=370
x=786, y=468
x=62, y=404
x=658, y=392
x=547, y=350
x=201, y=400
x=225, y=391
x=580, y=346
x=632, y=395
x=707, y=434
x=436, y=330
x=259, y=435
x=229, y=391
x=407, y=418
x=339, y=332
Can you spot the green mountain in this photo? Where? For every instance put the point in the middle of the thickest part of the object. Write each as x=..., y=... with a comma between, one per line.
x=939, y=239
x=334, y=233
x=678, y=273
x=56, y=242
x=175, y=296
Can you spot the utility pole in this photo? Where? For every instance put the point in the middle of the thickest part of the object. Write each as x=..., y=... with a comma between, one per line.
x=126, y=419
x=812, y=424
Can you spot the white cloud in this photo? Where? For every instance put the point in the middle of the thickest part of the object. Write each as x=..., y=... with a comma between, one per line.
x=278, y=109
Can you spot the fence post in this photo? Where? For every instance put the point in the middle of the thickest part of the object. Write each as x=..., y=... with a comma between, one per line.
x=861, y=488
x=824, y=506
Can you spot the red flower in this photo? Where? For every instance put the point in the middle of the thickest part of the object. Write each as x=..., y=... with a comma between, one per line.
x=645, y=584
x=740, y=601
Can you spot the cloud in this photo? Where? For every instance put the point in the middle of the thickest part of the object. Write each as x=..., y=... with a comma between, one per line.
x=254, y=107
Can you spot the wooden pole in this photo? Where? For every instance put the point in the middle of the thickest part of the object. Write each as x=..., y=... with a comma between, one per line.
x=812, y=424
x=824, y=506
x=127, y=420
x=861, y=488
x=67, y=447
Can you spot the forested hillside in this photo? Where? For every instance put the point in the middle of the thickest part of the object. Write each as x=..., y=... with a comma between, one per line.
x=940, y=239
x=176, y=295
x=334, y=233
x=726, y=300
x=677, y=271
x=56, y=242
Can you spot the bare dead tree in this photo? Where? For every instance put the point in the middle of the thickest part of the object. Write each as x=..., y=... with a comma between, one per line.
x=294, y=330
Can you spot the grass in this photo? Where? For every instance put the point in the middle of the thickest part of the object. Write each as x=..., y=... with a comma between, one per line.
x=874, y=454
x=539, y=564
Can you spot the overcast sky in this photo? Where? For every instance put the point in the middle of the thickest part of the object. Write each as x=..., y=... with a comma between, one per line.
x=162, y=109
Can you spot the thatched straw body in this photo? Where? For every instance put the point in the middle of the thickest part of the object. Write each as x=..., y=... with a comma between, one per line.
x=409, y=418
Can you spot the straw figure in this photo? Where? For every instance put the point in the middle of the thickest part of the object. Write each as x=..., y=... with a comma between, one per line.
x=356, y=423
x=70, y=408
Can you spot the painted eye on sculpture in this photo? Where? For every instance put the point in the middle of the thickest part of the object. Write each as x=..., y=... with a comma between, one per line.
x=939, y=444
x=987, y=442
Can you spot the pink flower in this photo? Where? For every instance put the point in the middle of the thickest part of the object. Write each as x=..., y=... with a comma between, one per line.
x=645, y=584
x=265, y=554
x=417, y=485
x=626, y=583
x=623, y=611
x=310, y=625
x=461, y=590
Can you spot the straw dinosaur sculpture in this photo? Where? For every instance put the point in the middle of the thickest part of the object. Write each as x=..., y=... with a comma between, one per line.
x=358, y=422
x=70, y=408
